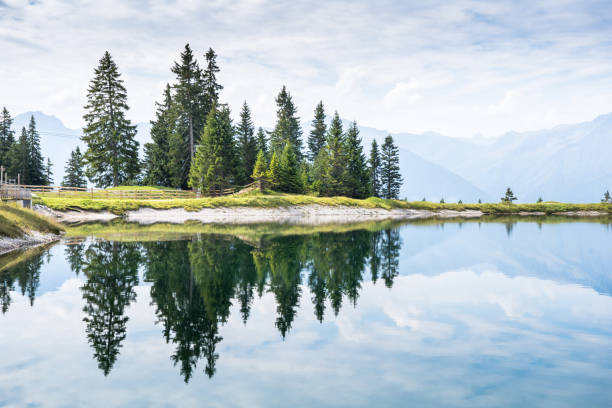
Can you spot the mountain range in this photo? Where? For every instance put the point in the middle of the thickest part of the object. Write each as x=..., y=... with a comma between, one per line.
x=566, y=163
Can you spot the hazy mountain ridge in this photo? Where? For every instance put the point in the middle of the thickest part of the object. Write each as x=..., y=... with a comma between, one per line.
x=564, y=163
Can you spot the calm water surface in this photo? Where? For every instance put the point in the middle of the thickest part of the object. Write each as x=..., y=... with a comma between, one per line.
x=471, y=314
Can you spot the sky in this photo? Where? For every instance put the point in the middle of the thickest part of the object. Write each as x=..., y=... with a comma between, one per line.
x=460, y=68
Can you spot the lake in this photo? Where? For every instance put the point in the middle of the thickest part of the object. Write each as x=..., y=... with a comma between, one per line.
x=508, y=312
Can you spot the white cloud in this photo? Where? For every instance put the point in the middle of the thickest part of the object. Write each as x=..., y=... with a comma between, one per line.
x=358, y=57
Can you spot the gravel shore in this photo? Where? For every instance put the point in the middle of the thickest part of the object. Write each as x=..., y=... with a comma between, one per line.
x=28, y=241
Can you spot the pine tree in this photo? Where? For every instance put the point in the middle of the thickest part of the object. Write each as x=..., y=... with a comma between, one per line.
x=316, y=139
x=7, y=136
x=374, y=170
x=213, y=168
x=261, y=142
x=287, y=129
x=157, y=153
x=17, y=164
x=509, y=197
x=390, y=176
x=112, y=150
x=210, y=86
x=336, y=160
x=260, y=168
x=356, y=178
x=289, y=171
x=75, y=176
x=48, y=173
x=35, y=173
x=191, y=113
x=247, y=145
x=607, y=198
x=274, y=174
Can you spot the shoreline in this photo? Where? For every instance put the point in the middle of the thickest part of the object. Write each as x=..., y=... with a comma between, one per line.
x=311, y=214
x=29, y=241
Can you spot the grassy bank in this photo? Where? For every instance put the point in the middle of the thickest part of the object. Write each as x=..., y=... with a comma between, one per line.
x=274, y=200
x=16, y=222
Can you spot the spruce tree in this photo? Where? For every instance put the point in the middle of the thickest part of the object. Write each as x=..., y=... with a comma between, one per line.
x=391, y=179
x=213, y=168
x=336, y=160
x=48, y=173
x=112, y=150
x=274, y=174
x=75, y=176
x=247, y=145
x=509, y=197
x=35, y=168
x=7, y=136
x=261, y=142
x=18, y=158
x=287, y=129
x=374, y=170
x=157, y=163
x=289, y=170
x=260, y=169
x=191, y=112
x=356, y=180
x=607, y=198
x=316, y=139
x=210, y=86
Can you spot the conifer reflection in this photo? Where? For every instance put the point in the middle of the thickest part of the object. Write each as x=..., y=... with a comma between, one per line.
x=111, y=272
x=25, y=274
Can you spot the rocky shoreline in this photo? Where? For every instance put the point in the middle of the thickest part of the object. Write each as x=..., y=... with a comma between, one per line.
x=303, y=215
x=31, y=240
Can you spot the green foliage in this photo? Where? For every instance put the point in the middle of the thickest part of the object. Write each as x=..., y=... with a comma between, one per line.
x=391, y=179
x=316, y=138
x=247, y=146
x=191, y=113
x=606, y=197
x=35, y=173
x=509, y=197
x=48, y=173
x=356, y=177
x=214, y=167
x=274, y=172
x=374, y=170
x=112, y=150
x=287, y=129
x=442, y=200
x=260, y=168
x=18, y=158
x=157, y=163
x=23, y=160
x=261, y=142
x=540, y=200
x=210, y=85
x=7, y=137
x=330, y=166
x=75, y=176
x=289, y=180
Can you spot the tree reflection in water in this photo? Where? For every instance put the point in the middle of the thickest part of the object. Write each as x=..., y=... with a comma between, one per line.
x=194, y=284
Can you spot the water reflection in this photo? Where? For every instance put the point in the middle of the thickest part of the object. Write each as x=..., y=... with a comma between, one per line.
x=195, y=284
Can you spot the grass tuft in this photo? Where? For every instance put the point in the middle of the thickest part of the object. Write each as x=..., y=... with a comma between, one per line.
x=16, y=222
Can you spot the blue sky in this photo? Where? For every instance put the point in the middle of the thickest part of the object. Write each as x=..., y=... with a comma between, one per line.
x=459, y=68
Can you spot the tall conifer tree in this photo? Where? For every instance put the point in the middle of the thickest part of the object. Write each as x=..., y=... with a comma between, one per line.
x=75, y=176
x=356, y=181
x=7, y=136
x=214, y=167
x=316, y=139
x=247, y=145
x=18, y=158
x=112, y=150
x=390, y=176
x=336, y=160
x=35, y=167
x=374, y=170
x=157, y=163
x=48, y=173
x=289, y=171
x=262, y=142
x=210, y=86
x=192, y=115
x=287, y=129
